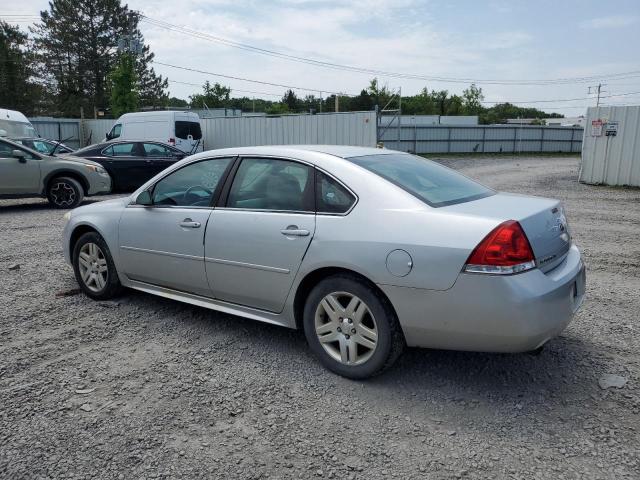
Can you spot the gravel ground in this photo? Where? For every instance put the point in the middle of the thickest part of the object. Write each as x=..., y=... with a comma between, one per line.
x=149, y=388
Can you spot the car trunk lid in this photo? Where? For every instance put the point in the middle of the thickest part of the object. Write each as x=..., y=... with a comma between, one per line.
x=542, y=220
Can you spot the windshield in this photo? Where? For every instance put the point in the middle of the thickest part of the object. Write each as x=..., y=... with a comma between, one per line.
x=18, y=129
x=432, y=183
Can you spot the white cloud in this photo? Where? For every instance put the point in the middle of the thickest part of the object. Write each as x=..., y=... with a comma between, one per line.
x=613, y=21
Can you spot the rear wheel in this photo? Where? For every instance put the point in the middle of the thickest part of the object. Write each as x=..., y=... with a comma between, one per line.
x=94, y=268
x=65, y=192
x=353, y=331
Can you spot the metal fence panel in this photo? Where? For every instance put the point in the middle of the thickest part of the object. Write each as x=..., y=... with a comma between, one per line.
x=482, y=138
x=60, y=129
x=353, y=128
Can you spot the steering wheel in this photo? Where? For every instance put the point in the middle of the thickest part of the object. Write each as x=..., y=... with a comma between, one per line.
x=186, y=194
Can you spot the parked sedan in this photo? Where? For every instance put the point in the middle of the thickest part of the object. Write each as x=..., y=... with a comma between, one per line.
x=131, y=163
x=366, y=250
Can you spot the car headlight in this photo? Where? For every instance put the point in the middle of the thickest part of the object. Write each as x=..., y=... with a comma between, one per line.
x=97, y=169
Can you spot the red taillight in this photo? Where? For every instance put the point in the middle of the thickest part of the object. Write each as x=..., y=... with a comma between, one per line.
x=504, y=250
x=172, y=141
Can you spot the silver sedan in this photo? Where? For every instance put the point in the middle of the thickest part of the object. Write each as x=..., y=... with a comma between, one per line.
x=366, y=250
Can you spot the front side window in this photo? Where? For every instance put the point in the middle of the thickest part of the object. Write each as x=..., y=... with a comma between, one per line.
x=430, y=182
x=184, y=129
x=331, y=197
x=115, y=131
x=191, y=186
x=270, y=184
x=6, y=151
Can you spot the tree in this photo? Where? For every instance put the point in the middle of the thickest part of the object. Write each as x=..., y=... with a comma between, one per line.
x=18, y=91
x=177, y=102
x=76, y=42
x=291, y=101
x=472, y=98
x=380, y=94
x=215, y=96
x=153, y=88
x=124, y=88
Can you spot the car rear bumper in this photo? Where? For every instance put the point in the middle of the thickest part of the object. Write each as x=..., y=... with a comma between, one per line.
x=492, y=313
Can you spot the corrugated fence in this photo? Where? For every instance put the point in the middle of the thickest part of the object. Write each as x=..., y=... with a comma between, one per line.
x=481, y=138
x=352, y=128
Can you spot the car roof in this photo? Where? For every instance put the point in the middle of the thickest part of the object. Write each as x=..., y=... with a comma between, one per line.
x=342, y=151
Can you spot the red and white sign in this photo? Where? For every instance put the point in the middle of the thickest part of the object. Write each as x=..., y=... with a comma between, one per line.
x=596, y=128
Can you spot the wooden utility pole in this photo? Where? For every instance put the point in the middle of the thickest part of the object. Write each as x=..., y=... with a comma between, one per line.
x=337, y=103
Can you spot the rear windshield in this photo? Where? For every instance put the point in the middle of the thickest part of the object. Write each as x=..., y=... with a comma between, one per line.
x=18, y=129
x=184, y=129
x=432, y=183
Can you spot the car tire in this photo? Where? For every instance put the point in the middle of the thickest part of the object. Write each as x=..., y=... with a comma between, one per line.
x=65, y=192
x=351, y=328
x=94, y=268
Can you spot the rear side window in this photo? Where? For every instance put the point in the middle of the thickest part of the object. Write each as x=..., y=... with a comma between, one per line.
x=271, y=184
x=331, y=197
x=156, y=150
x=184, y=129
x=432, y=183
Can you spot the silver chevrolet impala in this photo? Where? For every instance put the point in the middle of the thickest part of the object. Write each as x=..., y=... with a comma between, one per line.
x=367, y=250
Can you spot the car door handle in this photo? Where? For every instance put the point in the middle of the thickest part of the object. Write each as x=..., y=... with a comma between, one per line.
x=188, y=223
x=295, y=232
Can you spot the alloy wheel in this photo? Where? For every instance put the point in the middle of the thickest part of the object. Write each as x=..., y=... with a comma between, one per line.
x=346, y=328
x=93, y=267
x=63, y=194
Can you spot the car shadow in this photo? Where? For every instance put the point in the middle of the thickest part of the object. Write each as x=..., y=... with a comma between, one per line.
x=563, y=371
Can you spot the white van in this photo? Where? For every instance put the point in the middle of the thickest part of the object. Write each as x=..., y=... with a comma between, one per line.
x=180, y=129
x=14, y=124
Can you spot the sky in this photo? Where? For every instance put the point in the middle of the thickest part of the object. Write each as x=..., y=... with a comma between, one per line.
x=465, y=39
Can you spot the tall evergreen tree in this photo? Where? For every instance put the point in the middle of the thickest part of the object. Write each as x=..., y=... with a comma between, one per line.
x=77, y=45
x=124, y=86
x=18, y=91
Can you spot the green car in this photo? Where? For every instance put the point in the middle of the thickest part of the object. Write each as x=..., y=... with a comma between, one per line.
x=63, y=180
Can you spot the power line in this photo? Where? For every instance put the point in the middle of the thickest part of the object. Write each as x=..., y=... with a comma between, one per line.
x=261, y=82
x=232, y=89
x=370, y=71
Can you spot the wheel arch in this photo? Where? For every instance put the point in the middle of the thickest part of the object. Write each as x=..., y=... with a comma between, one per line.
x=65, y=173
x=77, y=232
x=312, y=278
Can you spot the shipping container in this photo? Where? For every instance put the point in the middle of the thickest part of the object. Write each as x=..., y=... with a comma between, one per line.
x=611, y=146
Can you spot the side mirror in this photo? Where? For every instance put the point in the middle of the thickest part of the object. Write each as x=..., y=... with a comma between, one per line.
x=20, y=155
x=144, y=198
x=107, y=135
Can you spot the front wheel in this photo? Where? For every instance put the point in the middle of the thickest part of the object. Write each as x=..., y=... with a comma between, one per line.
x=65, y=192
x=353, y=331
x=94, y=268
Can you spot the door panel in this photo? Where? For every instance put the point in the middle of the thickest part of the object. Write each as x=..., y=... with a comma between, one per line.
x=17, y=177
x=249, y=261
x=164, y=246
